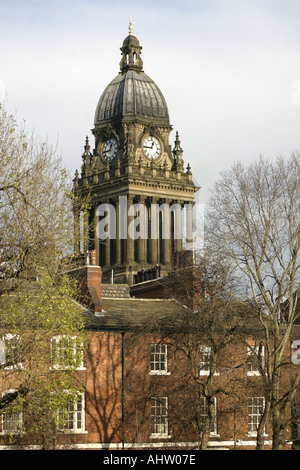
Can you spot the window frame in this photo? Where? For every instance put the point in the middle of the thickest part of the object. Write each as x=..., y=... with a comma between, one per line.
x=54, y=358
x=253, y=350
x=75, y=415
x=8, y=339
x=204, y=406
x=251, y=423
x=205, y=364
x=6, y=416
x=160, y=417
x=155, y=350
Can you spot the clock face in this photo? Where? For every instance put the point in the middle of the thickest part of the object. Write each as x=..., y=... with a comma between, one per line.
x=151, y=147
x=110, y=149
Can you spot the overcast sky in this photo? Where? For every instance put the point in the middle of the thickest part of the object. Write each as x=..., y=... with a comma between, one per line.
x=229, y=71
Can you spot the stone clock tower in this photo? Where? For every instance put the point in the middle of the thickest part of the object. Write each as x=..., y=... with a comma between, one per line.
x=132, y=171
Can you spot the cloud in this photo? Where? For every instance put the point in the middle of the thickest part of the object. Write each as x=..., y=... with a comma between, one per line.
x=226, y=70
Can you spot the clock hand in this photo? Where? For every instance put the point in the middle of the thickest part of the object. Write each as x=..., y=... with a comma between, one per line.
x=107, y=150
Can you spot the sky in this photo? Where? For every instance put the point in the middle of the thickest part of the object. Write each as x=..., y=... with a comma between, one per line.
x=228, y=69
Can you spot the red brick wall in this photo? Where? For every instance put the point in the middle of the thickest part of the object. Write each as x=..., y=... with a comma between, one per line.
x=104, y=397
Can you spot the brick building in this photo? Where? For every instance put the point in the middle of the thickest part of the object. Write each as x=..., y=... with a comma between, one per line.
x=139, y=391
x=138, y=384
x=137, y=387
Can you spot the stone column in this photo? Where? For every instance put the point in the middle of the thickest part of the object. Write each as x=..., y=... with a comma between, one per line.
x=130, y=241
x=118, y=240
x=178, y=226
x=154, y=232
x=107, y=251
x=142, y=241
x=166, y=234
x=96, y=239
x=106, y=241
x=189, y=222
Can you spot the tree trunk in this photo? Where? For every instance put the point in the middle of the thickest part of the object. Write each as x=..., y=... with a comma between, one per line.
x=205, y=438
x=278, y=431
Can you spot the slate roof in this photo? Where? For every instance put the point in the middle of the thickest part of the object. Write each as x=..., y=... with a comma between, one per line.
x=120, y=312
x=128, y=313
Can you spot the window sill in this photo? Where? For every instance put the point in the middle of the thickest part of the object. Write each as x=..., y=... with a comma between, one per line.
x=160, y=436
x=254, y=434
x=66, y=368
x=159, y=372
x=206, y=373
x=71, y=431
x=14, y=367
x=11, y=433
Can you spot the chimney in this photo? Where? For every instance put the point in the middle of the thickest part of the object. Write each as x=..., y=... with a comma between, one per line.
x=94, y=283
x=89, y=279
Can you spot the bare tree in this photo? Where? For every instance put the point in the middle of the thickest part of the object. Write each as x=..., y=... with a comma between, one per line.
x=36, y=225
x=36, y=234
x=253, y=223
x=204, y=335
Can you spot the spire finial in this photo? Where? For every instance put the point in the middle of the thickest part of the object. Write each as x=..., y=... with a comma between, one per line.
x=177, y=152
x=131, y=52
x=130, y=26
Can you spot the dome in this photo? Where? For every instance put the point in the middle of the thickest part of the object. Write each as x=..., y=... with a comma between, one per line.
x=131, y=40
x=132, y=94
x=129, y=95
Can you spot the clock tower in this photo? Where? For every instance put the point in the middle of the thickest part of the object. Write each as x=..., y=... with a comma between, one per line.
x=135, y=182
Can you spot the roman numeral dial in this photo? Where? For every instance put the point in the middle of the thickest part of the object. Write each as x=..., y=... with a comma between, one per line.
x=151, y=147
